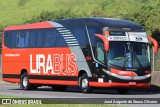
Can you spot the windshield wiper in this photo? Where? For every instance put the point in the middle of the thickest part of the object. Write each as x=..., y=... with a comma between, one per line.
x=138, y=61
x=133, y=56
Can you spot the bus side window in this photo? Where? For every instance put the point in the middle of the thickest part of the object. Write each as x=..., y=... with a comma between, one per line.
x=32, y=39
x=13, y=39
x=97, y=43
x=10, y=39
x=39, y=39
x=7, y=39
x=92, y=31
x=100, y=51
x=26, y=39
x=60, y=42
x=21, y=38
x=50, y=38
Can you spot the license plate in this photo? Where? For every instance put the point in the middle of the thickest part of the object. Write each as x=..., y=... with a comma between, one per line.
x=132, y=83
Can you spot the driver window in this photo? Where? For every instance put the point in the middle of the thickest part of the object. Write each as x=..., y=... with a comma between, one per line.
x=100, y=51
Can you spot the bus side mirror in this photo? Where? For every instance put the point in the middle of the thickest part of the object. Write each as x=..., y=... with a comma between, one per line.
x=105, y=41
x=155, y=43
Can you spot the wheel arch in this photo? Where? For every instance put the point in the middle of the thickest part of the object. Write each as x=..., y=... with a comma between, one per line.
x=23, y=71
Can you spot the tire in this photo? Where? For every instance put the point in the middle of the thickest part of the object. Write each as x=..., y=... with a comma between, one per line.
x=123, y=90
x=59, y=87
x=25, y=81
x=84, y=84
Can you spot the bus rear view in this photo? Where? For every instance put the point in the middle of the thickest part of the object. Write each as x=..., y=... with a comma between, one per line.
x=84, y=52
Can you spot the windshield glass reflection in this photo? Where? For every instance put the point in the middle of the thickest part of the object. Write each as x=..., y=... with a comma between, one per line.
x=130, y=55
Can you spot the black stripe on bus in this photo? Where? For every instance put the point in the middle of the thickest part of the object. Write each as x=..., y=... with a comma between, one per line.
x=11, y=76
x=43, y=77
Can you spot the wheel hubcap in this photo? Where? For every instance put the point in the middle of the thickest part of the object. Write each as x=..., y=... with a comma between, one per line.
x=84, y=83
x=25, y=81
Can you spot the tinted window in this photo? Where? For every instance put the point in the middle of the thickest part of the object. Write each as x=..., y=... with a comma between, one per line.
x=32, y=39
x=40, y=41
x=60, y=41
x=100, y=51
x=50, y=38
x=26, y=39
x=10, y=39
x=21, y=38
x=92, y=31
x=13, y=39
x=7, y=39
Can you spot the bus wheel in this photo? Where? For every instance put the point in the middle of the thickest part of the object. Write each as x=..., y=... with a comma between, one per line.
x=25, y=81
x=59, y=87
x=123, y=90
x=84, y=84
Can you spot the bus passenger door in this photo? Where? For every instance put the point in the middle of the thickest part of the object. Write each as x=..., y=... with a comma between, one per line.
x=100, y=51
x=100, y=58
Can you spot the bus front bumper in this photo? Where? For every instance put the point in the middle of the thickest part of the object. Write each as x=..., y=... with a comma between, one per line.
x=119, y=84
x=119, y=81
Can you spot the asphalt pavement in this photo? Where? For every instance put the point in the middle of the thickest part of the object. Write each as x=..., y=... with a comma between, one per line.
x=74, y=93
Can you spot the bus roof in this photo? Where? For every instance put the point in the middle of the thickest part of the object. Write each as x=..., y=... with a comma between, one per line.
x=110, y=23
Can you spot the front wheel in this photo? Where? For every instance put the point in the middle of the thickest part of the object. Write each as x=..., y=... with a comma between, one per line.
x=84, y=84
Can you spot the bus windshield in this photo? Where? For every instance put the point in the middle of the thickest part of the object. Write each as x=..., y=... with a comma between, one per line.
x=129, y=54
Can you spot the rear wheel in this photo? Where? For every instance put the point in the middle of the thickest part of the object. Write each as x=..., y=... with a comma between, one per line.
x=123, y=90
x=25, y=82
x=84, y=84
x=59, y=87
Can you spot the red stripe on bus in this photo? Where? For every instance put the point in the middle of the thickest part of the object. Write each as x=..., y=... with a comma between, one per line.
x=13, y=80
x=30, y=26
x=119, y=85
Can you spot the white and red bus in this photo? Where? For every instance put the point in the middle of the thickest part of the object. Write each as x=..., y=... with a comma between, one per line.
x=85, y=52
